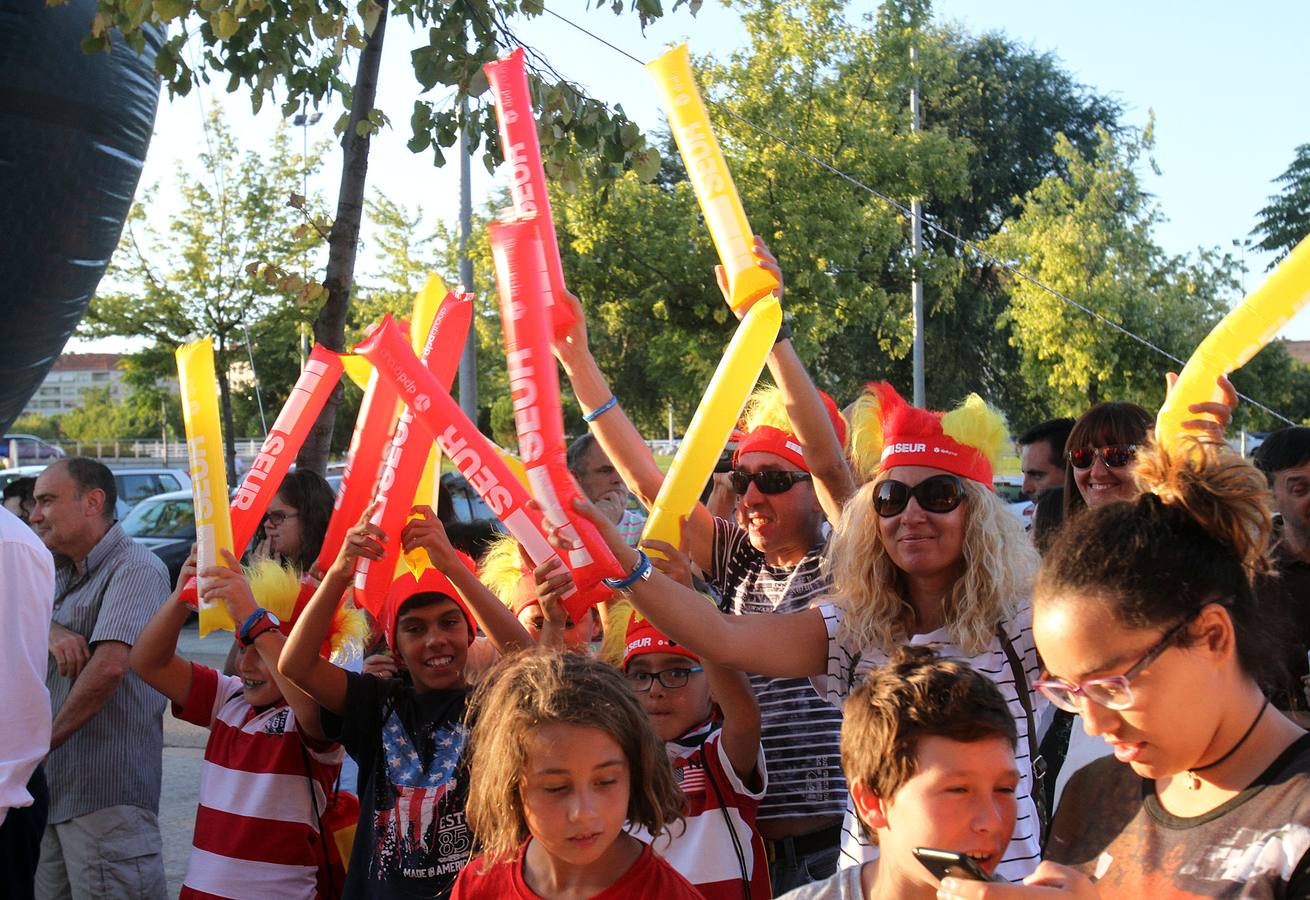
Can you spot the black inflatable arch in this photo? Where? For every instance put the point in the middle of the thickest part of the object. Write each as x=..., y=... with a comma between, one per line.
x=73, y=135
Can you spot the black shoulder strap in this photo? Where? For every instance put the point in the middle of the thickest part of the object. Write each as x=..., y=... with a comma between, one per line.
x=1022, y=688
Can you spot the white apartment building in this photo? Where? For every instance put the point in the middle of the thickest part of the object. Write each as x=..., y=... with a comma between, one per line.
x=73, y=373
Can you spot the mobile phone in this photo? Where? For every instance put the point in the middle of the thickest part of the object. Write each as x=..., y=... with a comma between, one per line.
x=949, y=864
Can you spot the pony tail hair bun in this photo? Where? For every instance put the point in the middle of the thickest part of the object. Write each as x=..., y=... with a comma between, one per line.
x=1215, y=489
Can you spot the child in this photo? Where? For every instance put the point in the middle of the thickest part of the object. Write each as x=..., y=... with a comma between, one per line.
x=407, y=736
x=563, y=761
x=268, y=767
x=927, y=745
x=504, y=572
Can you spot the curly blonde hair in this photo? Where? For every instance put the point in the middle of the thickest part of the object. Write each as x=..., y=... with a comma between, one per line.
x=533, y=688
x=999, y=566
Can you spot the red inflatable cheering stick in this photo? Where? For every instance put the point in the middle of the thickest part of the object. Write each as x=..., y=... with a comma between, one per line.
x=518, y=140
x=472, y=454
x=402, y=464
x=534, y=388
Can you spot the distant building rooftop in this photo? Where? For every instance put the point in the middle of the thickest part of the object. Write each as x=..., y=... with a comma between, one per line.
x=1299, y=351
x=86, y=362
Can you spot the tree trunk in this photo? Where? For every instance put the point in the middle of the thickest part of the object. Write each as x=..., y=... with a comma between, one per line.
x=330, y=326
x=225, y=410
x=1093, y=391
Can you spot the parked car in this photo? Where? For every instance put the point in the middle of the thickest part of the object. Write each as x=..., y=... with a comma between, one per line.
x=28, y=447
x=166, y=524
x=7, y=476
x=136, y=483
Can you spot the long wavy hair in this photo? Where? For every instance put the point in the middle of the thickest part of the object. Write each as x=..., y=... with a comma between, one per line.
x=999, y=565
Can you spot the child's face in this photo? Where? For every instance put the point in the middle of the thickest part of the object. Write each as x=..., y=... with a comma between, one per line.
x=961, y=798
x=574, y=790
x=432, y=642
x=673, y=711
x=576, y=634
x=257, y=684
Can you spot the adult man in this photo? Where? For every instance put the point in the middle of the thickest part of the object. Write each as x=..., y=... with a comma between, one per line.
x=604, y=486
x=1284, y=457
x=28, y=575
x=1041, y=456
x=106, y=745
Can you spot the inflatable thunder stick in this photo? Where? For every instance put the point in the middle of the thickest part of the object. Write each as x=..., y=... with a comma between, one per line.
x=321, y=373
x=372, y=433
x=472, y=454
x=715, y=190
x=204, y=445
x=710, y=428
x=527, y=185
x=1237, y=338
x=534, y=389
x=405, y=457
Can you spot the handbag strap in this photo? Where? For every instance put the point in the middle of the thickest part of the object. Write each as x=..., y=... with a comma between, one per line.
x=1022, y=688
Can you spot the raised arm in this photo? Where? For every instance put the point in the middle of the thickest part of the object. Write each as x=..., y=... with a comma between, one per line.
x=154, y=657
x=300, y=661
x=618, y=437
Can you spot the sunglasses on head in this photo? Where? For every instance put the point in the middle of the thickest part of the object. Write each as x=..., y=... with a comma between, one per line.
x=1116, y=456
x=938, y=494
x=770, y=481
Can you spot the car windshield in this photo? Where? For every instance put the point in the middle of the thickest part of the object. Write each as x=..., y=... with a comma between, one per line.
x=162, y=519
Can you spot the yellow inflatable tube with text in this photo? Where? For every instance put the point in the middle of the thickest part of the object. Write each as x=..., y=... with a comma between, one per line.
x=710, y=428
x=715, y=190
x=204, y=443
x=1241, y=334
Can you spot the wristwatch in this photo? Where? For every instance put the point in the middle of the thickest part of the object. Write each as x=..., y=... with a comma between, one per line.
x=260, y=621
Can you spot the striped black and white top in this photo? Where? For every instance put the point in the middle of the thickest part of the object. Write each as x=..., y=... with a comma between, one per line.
x=116, y=758
x=847, y=666
x=801, y=733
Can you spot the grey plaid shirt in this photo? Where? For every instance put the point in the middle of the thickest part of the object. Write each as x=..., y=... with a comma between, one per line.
x=116, y=757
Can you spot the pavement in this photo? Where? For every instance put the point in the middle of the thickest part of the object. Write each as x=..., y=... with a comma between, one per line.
x=184, y=749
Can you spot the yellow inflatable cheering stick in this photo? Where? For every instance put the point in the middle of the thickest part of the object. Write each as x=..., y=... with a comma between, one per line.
x=714, y=187
x=1240, y=335
x=204, y=444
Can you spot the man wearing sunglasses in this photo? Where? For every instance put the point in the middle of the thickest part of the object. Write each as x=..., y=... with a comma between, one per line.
x=792, y=479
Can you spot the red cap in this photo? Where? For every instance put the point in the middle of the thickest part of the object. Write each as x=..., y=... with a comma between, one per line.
x=643, y=637
x=914, y=437
x=767, y=439
x=431, y=582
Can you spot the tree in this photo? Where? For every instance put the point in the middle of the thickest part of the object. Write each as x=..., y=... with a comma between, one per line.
x=1285, y=221
x=224, y=264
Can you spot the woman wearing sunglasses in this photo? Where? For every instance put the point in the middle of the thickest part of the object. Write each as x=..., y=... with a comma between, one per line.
x=1148, y=626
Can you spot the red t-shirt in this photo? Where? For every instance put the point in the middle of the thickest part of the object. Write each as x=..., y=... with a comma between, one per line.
x=649, y=876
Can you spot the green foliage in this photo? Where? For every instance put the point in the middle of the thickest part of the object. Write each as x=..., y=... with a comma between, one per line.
x=1285, y=221
x=42, y=426
x=99, y=415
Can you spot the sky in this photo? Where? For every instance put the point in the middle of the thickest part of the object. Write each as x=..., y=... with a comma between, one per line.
x=1225, y=83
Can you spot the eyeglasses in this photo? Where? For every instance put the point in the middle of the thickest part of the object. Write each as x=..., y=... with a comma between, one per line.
x=1116, y=456
x=669, y=679
x=770, y=481
x=938, y=494
x=1112, y=692
x=277, y=518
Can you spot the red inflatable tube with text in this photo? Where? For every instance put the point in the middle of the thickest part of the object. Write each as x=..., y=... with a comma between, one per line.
x=321, y=373
x=527, y=185
x=404, y=459
x=534, y=389
x=472, y=454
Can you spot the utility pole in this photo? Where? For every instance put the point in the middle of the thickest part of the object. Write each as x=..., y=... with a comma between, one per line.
x=916, y=246
x=468, y=361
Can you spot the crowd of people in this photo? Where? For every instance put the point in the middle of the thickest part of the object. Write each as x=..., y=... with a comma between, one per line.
x=859, y=675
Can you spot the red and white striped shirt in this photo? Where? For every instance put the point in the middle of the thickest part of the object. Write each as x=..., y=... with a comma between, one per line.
x=256, y=830
x=704, y=852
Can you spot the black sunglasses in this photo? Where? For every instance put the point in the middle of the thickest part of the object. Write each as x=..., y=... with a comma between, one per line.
x=1116, y=456
x=770, y=481
x=938, y=494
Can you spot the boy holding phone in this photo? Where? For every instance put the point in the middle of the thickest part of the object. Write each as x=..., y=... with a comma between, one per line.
x=927, y=745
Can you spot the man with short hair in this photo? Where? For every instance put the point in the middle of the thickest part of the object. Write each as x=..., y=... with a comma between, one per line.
x=106, y=746
x=1041, y=456
x=604, y=486
x=1284, y=457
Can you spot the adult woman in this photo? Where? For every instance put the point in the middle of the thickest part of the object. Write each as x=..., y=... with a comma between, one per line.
x=1149, y=627
x=297, y=519
x=923, y=553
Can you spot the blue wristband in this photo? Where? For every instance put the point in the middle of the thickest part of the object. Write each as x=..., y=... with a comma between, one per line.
x=601, y=410
x=640, y=571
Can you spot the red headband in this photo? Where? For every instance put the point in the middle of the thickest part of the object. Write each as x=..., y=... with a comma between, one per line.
x=767, y=439
x=914, y=437
x=643, y=637
x=431, y=582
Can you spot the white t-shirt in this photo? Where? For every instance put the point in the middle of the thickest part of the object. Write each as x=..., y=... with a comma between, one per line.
x=847, y=666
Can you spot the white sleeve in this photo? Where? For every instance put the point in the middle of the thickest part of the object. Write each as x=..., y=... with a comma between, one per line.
x=27, y=572
x=835, y=682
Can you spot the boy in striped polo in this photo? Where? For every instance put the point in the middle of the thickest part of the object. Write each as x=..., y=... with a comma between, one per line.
x=268, y=768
